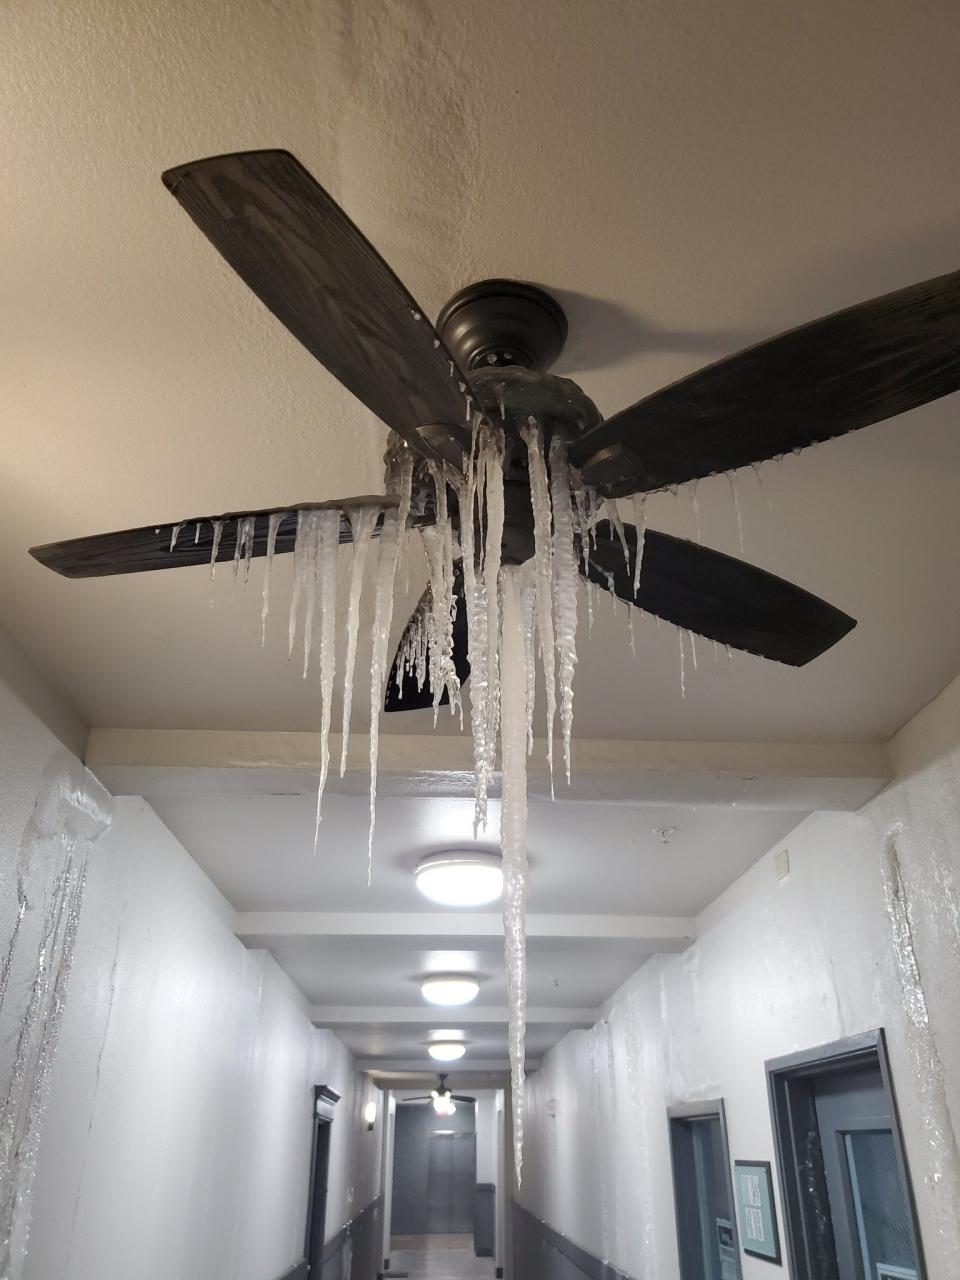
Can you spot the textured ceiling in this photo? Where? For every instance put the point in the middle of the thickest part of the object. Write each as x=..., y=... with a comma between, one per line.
x=686, y=177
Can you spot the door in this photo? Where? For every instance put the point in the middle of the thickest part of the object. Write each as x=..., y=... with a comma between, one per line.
x=317, y=1213
x=847, y=1204
x=869, y=1205
x=451, y=1165
x=706, y=1233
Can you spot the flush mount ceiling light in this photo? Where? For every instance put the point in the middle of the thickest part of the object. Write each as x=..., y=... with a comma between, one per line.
x=449, y=989
x=447, y=1050
x=456, y=879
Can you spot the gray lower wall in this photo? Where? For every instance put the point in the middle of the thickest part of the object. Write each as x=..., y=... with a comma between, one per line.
x=354, y=1252
x=542, y=1253
x=485, y=1219
x=299, y=1272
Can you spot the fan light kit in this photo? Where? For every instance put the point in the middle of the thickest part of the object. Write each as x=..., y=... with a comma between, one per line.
x=447, y=1050
x=484, y=440
x=461, y=879
x=449, y=989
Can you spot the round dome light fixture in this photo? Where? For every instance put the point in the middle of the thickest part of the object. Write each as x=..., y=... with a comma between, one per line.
x=447, y=1050
x=461, y=878
x=449, y=989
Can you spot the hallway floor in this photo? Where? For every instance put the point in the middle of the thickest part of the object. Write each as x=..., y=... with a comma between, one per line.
x=439, y=1258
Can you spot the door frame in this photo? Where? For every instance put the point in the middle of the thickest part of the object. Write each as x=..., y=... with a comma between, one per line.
x=324, y=1101
x=708, y=1109
x=796, y=1138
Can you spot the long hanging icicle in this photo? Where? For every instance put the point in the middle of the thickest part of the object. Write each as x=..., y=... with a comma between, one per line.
x=513, y=837
x=565, y=579
x=543, y=559
x=362, y=522
x=273, y=527
x=328, y=544
x=393, y=522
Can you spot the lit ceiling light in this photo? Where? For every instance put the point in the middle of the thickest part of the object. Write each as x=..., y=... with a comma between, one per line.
x=443, y=1105
x=447, y=1050
x=458, y=879
x=444, y=1132
x=449, y=989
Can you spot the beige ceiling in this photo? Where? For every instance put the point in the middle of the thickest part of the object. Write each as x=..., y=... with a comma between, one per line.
x=686, y=177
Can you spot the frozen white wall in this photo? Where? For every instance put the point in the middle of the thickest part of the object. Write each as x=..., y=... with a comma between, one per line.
x=863, y=933
x=177, y=1132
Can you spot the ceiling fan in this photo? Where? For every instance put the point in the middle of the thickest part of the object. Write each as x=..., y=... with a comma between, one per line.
x=493, y=342
x=442, y=1095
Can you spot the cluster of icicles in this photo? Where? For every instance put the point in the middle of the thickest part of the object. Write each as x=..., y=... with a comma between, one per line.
x=515, y=616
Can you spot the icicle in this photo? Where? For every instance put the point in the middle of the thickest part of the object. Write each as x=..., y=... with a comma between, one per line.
x=196, y=533
x=300, y=557
x=632, y=635
x=736, y=506
x=328, y=544
x=528, y=601
x=490, y=458
x=543, y=560
x=309, y=584
x=611, y=511
x=640, y=522
x=174, y=535
x=729, y=656
x=611, y=591
x=683, y=673
x=695, y=504
x=756, y=469
x=565, y=582
x=401, y=483
x=362, y=522
x=215, y=548
x=513, y=840
x=438, y=546
x=591, y=604
x=393, y=522
x=273, y=526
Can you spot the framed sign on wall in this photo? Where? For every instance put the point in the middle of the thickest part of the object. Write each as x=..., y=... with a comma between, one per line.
x=756, y=1213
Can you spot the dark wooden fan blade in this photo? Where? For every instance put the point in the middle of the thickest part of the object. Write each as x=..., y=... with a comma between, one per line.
x=402, y=694
x=462, y=1097
x=717, y=596
x=171, y=546
x=835, y=375
x=303, y=257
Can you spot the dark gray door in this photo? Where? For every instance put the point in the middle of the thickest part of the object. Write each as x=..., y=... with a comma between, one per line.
x=451, y=1162
x=869, y=1204
x=704, y=1199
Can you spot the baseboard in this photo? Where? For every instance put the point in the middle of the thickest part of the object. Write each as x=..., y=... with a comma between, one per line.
x=297, y=1272
x=540, y=1252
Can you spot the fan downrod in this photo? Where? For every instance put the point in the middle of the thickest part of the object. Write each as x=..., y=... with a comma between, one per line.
x=497, y=323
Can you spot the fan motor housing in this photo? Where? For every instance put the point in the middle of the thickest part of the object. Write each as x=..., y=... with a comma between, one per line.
x=497, y=323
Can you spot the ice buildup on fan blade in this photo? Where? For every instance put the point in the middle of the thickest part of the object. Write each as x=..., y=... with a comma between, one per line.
x=543, y=560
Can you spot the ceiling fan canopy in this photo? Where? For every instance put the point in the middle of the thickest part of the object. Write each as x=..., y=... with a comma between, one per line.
x=490, y=352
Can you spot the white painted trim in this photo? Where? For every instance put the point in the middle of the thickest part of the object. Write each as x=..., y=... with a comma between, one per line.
x=663, y=933
x=766, y=775
x=338, y=1015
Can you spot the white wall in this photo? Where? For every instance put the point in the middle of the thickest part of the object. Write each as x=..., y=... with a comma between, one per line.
x=176, y=1136
x=778, y=967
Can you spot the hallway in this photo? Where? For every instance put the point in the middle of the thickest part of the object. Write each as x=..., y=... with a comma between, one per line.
x=438, y=1257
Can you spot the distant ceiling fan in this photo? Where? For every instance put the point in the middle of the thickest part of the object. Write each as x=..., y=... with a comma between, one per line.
x=303, y=257
x=442, y=1097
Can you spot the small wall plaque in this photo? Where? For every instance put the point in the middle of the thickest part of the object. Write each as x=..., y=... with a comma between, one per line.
x=756, y=1213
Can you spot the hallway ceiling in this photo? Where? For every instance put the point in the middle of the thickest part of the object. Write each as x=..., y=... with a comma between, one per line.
x=599, y=905
x=686, y=179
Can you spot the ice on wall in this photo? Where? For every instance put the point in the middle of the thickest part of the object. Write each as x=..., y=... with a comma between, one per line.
x=71, y=813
